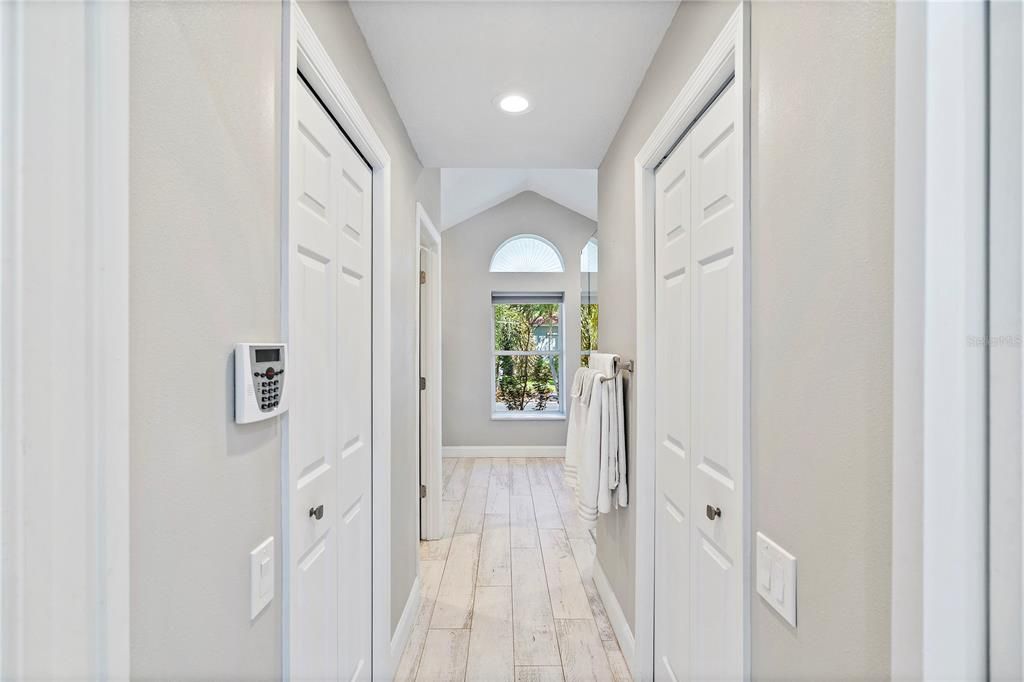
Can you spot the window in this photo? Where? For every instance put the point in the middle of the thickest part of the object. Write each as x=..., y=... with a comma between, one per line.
x=588, y=331
x=527, y=356
x=588, y=301
x=527, y=253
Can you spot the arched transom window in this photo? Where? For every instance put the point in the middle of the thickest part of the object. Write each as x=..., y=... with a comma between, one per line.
x=527, y=253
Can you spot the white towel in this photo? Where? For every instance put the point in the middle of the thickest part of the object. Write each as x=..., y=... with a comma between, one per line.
x=588, y=473
x=582, y=384
x=612, y=491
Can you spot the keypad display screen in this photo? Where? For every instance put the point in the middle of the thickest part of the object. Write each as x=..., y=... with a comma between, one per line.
x=268, y=354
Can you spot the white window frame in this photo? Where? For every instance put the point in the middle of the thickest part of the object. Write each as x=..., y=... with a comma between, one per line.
x=531, y=415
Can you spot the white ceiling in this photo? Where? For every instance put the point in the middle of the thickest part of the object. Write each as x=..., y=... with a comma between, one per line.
x=468, y=191
x=578, y=62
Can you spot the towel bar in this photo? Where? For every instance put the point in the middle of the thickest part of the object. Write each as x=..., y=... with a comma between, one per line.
x=626, y=366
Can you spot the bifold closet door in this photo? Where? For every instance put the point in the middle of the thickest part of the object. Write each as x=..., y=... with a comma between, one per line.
x=699, y=414
x=329, y=455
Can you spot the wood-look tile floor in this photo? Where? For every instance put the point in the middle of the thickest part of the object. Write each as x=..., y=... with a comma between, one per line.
x=508, y=592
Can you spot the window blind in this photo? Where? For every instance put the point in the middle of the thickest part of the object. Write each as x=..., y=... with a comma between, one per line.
x=532, y=297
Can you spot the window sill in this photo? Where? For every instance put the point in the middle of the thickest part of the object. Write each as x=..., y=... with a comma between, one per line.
x=521, y=417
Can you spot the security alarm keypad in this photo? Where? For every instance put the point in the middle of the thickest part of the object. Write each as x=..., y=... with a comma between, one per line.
x=268, y=376
x=260, y=373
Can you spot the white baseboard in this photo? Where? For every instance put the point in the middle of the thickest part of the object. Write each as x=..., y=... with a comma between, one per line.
x=405, y=624
x=615, y=615
x=503, y=451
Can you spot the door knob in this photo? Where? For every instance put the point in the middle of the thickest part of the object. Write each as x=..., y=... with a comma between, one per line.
x=318, y=512
x=713, y=512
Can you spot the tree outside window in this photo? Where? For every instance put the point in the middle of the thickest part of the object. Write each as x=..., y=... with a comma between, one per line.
x=588, y=332
x=527, y=357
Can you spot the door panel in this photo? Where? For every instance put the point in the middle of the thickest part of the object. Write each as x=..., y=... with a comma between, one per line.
x=672, y=419
x=718, y=392
x=699, y=420
x=328, y=424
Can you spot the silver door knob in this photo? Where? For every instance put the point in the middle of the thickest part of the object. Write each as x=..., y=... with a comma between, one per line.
x=316, y=512
x=713, y=512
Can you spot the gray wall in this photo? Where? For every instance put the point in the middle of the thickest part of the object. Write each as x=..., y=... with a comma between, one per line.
x=466, y=311
x=205, y=252
x=340, y=34
x=822, y=178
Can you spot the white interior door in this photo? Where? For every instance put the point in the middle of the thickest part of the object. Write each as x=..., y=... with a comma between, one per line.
x=429, y=323
x=700, y=410
x=329, y=445
x=424, y=330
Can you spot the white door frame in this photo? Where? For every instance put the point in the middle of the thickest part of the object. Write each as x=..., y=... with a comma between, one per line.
x=728, y=57
x=428, y=364
x=939, y=592
x=303, y=51
x=64, y=340
x=1006, y=329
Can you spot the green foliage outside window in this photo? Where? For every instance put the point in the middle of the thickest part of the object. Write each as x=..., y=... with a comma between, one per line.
x=588, y=331
x=526, y=381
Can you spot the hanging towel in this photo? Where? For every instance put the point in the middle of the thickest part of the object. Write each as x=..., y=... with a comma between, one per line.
x=582, y=385
x=588, y=470
x=612, y=492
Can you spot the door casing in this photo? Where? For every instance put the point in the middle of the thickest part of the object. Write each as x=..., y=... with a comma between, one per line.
x=727, y=58
x=304, y=52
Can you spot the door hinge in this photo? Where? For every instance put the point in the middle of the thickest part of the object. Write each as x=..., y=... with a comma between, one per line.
x=423, y=277
x=423, y=491
x=423, y=383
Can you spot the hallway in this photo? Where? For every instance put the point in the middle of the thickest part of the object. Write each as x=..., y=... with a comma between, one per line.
x=510, y=594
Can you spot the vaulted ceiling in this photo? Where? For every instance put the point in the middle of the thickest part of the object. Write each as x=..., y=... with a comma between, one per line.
x=468, y=191
x=578, y=62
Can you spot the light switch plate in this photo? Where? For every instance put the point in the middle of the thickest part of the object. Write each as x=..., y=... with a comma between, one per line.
x=776, y=578
x=261, y=577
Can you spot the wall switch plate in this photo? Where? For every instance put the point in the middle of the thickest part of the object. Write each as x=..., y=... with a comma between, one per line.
x=261, y=577
x=776, y=578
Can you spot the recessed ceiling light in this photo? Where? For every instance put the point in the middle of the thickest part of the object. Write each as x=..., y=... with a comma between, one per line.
x=513, y=104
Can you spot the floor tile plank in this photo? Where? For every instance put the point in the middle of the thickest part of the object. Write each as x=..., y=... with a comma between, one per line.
x=458, y=481
x=523, y=522
x=535, y=673
x=480, y=473
x=568, y=598
x=495, y=552
x=430, y=580
x=520, y=480
x=471, y=516
x=438, y=549
x=545, y=509
x=444, y=656
x=584, y=550
x=617, y=662
x=455, y=595
x=498, y=487
x=490, y=644
x=533, y=624
x=583, y=654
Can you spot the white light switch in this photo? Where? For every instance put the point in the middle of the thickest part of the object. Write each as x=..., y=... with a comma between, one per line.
x=776, y=578
x=261, y=577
